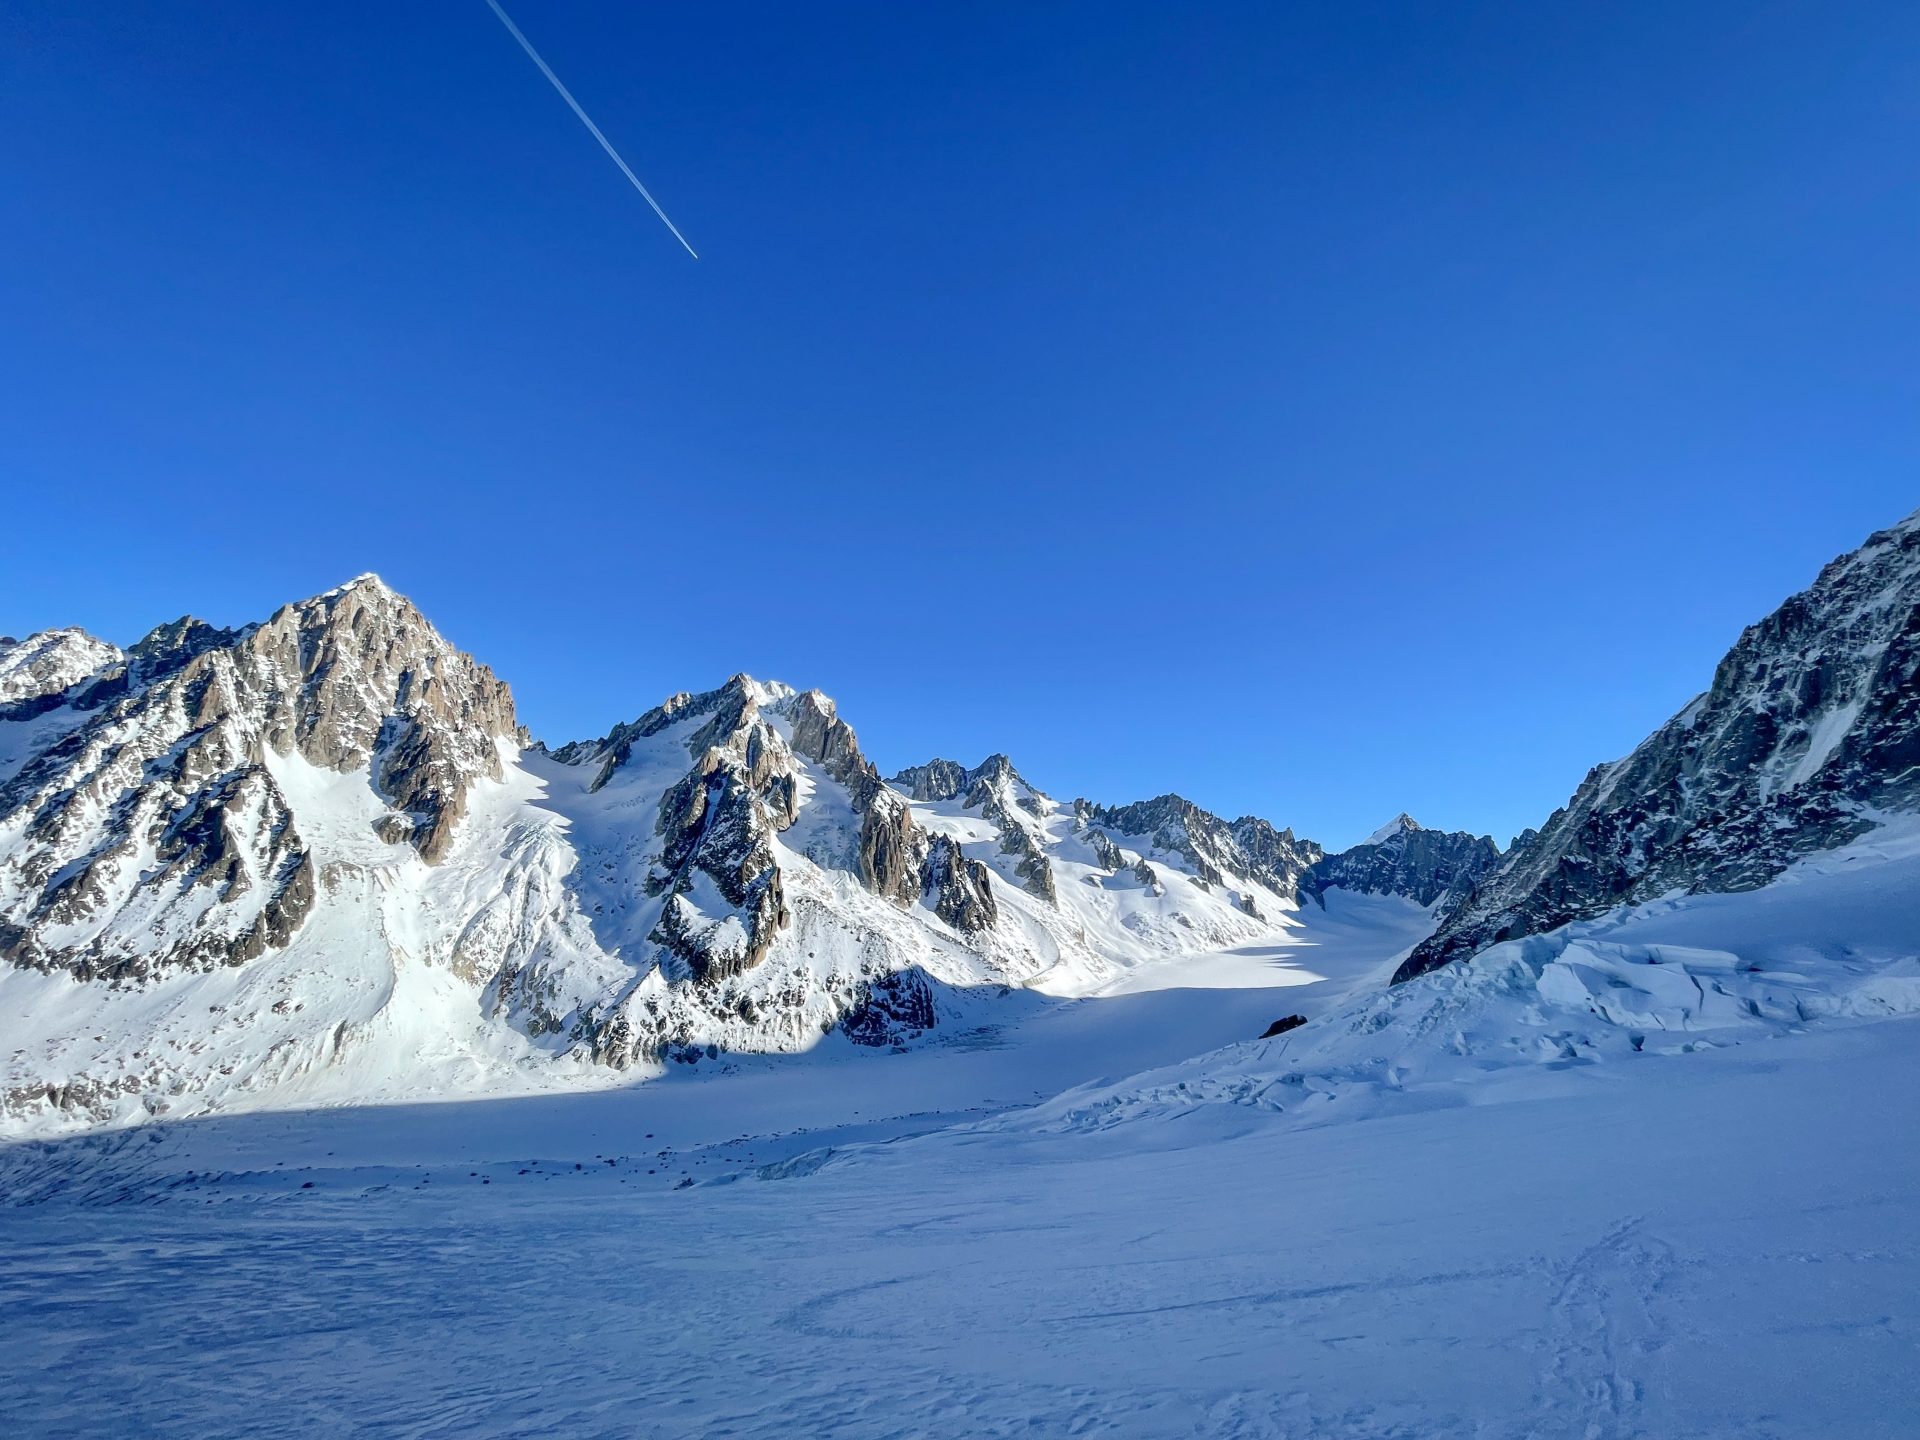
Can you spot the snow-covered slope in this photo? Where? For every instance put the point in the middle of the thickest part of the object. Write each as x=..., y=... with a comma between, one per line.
x=1467, y=1208
x=315, y=859
x=1833, y=940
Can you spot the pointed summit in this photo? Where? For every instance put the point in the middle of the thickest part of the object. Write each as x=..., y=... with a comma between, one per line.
x=1399, y=825
x=365, y=581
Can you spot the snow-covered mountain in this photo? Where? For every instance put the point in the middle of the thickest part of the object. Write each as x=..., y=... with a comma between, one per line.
x=316, y=858
x=1749, y=873
x=49, y=663
x=1808, y=738
x=1636, y=1171
x=1403, y=857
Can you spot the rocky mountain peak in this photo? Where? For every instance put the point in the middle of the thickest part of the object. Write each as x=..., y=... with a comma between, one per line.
x=1399, y=825
x=750, y=743
x=996, y=769
x=937, y=780
x=1250, y=848
x=49, y=663
x=1405, y=858
x=366, y=582
x=358, y=676
x=156, y=829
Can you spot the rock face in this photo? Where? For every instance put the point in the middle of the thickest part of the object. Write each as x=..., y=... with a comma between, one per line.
x=936, y=780
x=891, y=1010
x=998, y=792
x=959, y=889
x=1404, y=858
x=153, y=830
x=1811, y=727
x=891, y=852
x=1121, y=840
x=715, y=827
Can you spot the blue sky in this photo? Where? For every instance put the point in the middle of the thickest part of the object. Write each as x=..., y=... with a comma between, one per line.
x=1319, y=410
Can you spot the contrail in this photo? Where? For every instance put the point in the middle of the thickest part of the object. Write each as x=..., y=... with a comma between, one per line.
x=586, y=120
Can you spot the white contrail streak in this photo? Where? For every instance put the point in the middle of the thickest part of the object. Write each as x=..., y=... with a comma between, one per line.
x=586, y=120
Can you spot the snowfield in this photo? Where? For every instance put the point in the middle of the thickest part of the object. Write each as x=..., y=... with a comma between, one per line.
x=1649, y=1175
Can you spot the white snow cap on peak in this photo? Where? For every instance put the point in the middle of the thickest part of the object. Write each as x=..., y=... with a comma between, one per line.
x=1399, y=825
x=367, y=580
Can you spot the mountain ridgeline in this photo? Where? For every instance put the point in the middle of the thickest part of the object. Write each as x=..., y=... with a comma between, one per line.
x=317, y=858
x=300, y=855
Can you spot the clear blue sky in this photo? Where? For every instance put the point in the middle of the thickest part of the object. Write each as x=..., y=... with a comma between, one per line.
x=1320, y=410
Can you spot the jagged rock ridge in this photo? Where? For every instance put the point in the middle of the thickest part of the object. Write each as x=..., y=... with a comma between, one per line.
x=1248, y=849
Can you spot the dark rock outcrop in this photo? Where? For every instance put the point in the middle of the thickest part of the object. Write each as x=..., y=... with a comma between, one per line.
x=1019, y=843
x=1105, y=851
x=935, y=780
x=960, y=890
x=891, y=850
x=997, y=791
x=891, y=1010
x=1423, y=865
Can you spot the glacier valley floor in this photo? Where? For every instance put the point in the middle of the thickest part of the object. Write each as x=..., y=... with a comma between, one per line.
x=1722, y=1241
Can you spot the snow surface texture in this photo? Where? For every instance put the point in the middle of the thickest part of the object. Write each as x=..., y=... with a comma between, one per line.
x=1471, y=1206
x=1835, y=939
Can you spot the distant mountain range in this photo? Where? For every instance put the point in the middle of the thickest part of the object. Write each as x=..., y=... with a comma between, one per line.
x=317, y=857
x=318, y=854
